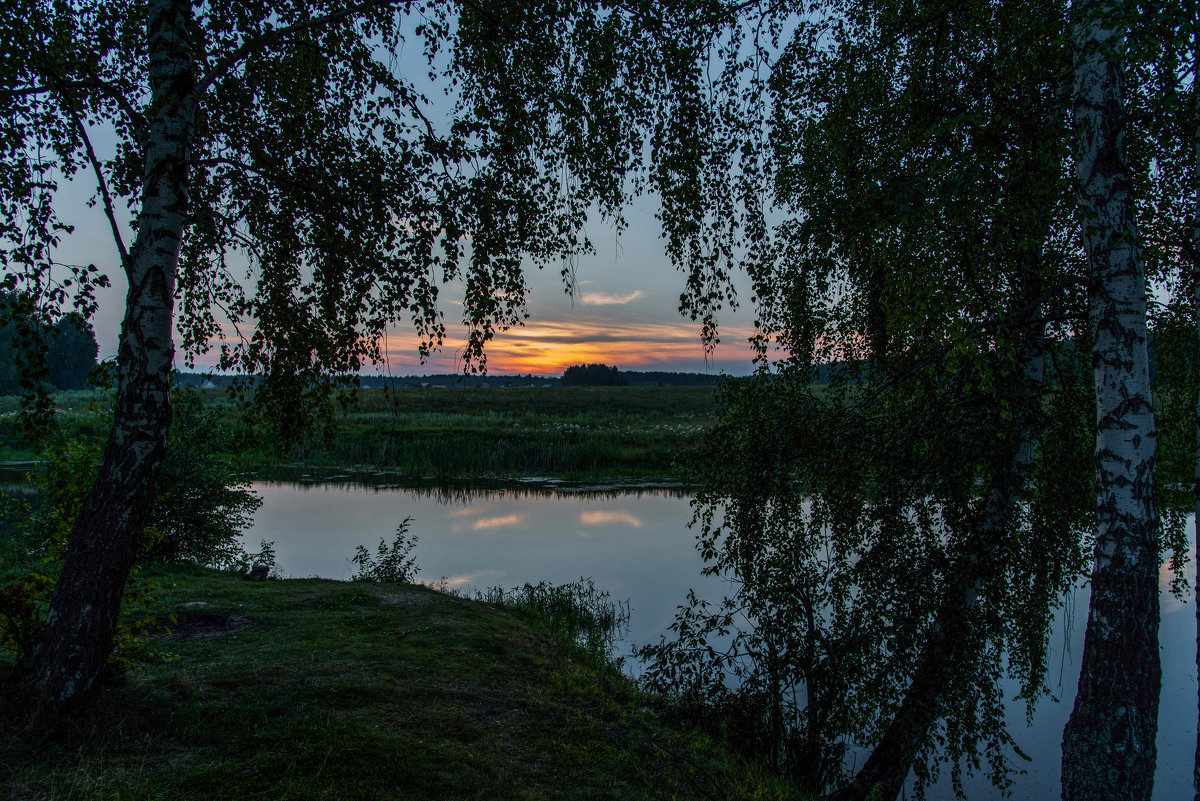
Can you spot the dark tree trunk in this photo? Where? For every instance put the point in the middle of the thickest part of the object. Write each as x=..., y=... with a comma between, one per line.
x=1109, y=742
x=105, y=539
x=1196, y=474
x=952, y=637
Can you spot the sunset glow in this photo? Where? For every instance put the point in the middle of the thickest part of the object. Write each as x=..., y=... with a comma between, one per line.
x=548, y=348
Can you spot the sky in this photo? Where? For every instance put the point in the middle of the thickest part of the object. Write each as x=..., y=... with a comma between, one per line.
x=624, y=311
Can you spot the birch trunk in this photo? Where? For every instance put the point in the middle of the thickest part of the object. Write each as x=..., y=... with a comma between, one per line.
x=108, y=532
x=1109, y=741
x=883, y=775
x=1195, y=258
x=1196, y=475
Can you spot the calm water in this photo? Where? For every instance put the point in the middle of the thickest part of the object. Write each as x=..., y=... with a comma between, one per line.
x=634, y=542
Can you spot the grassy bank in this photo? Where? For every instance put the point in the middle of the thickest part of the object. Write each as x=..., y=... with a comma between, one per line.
x=306, y=689
x=570, y=432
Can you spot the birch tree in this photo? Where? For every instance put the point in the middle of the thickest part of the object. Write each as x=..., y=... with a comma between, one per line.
x=847, y=273
x=1028, y=177
x=1195, y=265
x=294, y=192
x=1109, y=741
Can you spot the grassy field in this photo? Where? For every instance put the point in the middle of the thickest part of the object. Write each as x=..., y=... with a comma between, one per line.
x=311, y=689
x=570, y=432
x=561, y=431
x=78, y=412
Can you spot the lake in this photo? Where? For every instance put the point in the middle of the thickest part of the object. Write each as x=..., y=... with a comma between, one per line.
x=634, y=542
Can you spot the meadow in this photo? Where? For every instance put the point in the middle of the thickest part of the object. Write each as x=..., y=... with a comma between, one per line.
x=568, y=432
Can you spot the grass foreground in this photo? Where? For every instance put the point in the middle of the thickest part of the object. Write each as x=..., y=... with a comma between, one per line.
x=317, y=689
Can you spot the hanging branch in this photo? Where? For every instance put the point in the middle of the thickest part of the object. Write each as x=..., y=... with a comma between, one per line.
x=102, y=186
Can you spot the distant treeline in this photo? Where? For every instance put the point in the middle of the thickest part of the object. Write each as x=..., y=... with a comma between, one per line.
x=67, y=346
x=631, y=378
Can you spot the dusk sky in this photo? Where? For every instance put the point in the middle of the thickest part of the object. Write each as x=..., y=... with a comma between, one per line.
x=624, y=312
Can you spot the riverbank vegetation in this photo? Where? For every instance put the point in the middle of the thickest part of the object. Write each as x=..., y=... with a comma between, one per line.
x=344, y=690
x=573, y=432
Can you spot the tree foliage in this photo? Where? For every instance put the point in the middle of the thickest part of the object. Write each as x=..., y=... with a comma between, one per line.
x=899, y=543
x=295, y=192
x=329, y=195
x=33, y=353
x=593, y=375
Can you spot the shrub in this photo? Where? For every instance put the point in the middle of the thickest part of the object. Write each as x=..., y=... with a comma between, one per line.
x=392, y=563
x=22, y=606
x=202, y=505
x=199, y=510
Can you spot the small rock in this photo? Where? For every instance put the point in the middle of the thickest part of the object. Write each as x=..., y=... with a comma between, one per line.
x=194, y=605
x=258, y=572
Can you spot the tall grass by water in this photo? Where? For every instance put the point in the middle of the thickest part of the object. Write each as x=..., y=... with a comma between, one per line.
x=568, y=431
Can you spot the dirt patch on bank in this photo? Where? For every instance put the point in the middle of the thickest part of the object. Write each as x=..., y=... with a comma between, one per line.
x=198, y=626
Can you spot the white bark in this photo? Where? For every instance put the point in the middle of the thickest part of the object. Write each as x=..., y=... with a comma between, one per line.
x=1109, y=742
x=106, y=536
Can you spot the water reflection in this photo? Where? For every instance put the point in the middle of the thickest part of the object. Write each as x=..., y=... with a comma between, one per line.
x=613, y=518
x=14, y=477
x=632, y=542
x=480, y=578
x=504, y=521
